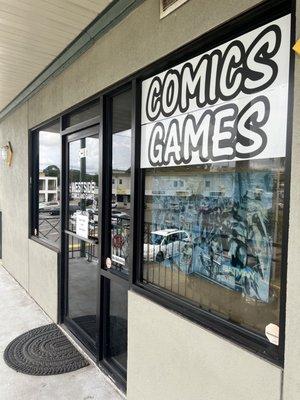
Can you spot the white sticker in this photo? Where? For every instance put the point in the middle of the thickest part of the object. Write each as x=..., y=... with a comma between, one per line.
x=272, y=333
x=82, y=153
x=108, y=262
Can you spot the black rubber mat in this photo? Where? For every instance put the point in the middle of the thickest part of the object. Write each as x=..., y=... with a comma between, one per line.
x=43, y=351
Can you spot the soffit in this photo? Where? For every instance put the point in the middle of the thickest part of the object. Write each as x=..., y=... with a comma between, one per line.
x=33, y=33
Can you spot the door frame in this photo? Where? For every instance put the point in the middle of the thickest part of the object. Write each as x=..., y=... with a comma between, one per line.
x=103, y=124
x=79, y=333
x=105, y=244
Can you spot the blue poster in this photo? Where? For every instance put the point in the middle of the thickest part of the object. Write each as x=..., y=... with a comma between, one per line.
x=216, y=226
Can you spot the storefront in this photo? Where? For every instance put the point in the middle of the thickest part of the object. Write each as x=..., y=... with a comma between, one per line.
x=170, y=209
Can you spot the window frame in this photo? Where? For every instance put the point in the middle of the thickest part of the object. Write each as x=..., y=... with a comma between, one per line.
x=33, y=185
x=251, y=19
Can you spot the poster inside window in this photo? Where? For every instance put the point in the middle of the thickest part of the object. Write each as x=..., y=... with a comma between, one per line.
x=222, y=242
x=213, y=146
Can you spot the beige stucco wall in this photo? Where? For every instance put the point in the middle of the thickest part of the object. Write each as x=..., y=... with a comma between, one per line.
x=42, y=277
x=32, y=265
x=14, y=197
x=172, y=358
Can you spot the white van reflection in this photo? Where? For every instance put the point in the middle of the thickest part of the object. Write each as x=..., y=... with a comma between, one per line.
x=164, y=244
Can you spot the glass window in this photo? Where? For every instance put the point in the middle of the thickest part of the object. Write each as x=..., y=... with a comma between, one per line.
x=217, y=243
x=86, y=112
x=84, y=185
x=121, y=175
x=46, y=221
x=82, y=284
x=117, y=327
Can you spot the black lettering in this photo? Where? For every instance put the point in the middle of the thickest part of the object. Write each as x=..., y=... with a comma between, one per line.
x=251, y=139
x=153, y=102
x=260, y=70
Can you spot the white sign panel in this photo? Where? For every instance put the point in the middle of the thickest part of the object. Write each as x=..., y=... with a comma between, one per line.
x=227, y=104
x=82, y=153
x=82, y=224
x=83, y=190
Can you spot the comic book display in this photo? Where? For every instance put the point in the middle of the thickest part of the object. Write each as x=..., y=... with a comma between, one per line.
x=218, y=226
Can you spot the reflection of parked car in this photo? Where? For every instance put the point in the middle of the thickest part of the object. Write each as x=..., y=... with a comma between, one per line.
x=73, y=208
x=48, y=207
x=164, y=244
x=118, y=215
x=55, y=211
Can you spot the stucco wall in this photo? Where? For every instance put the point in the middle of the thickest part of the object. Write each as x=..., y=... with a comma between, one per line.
x=32, y=265
x=14, y=197
x=42, y=277
x=171, y=358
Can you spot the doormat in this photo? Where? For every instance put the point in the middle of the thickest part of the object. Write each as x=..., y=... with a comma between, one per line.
x=43, y=351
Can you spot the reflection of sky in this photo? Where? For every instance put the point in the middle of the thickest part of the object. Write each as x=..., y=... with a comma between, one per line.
x=122, y=150
x=92, y=155
x=49, y=147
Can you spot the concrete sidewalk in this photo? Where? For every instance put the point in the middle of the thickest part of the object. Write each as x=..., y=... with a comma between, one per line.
x=18, y=314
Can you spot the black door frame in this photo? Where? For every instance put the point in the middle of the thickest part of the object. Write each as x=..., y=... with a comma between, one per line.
x=70, y=324
x=98, y=351
x=107, y=275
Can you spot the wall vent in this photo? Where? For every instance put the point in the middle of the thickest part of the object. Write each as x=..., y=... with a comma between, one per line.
x=167, y=6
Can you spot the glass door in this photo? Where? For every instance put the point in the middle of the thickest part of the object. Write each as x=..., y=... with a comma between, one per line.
x=96, y=216
x=82, y=235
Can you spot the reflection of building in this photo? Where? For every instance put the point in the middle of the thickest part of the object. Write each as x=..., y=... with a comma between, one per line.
x=48, y=190
x=121, y=188
x=182, y=186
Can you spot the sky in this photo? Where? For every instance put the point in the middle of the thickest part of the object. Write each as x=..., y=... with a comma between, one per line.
x=49, y=146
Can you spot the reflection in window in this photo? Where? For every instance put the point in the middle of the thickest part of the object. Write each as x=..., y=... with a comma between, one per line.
x=84, y=186
x=49, y=149
x=117, y=326
x=121, y=174
x=217, y=242
x=82, y=284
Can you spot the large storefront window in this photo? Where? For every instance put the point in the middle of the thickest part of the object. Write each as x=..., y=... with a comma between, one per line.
x=213, y=234
x=213, y=148
x=46, y=183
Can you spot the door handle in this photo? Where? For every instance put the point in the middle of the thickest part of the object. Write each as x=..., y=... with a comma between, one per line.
x=91, y=240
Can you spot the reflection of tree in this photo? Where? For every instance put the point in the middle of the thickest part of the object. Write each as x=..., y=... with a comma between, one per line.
x=75, y=176
x=52, y=170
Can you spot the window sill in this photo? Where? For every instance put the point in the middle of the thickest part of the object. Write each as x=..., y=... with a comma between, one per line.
x=45, y=243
